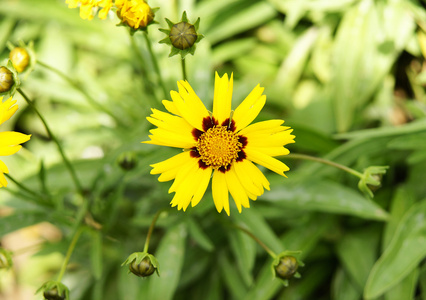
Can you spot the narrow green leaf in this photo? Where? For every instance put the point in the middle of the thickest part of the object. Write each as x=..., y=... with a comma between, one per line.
x=357, y=252
x=96, y=254
x=231, y=277
x=406, y=289
x=265, y=285
x=170, y=254
x=244, y=251
x=343, y=288
x=325, y=196
x=21, y=219
x=257, y=225
x=198, y=235
x=405, y=251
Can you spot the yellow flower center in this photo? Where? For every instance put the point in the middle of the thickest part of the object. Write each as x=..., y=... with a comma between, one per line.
x=218, y=147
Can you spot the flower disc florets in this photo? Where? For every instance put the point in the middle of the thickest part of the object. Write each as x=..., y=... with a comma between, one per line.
x=218, y=147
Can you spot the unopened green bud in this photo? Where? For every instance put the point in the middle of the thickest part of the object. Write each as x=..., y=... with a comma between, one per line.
x=371, y=179
x=142, y=264
x=285, y=266
x=54, y=290
x=182, y=36
x=6, y=80
x=19, y=58
x=5, y=259
x=127, y=161
x=53, y=295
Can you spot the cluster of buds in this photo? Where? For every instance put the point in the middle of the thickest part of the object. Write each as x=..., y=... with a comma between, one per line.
x=9, y=80
x=142, y=264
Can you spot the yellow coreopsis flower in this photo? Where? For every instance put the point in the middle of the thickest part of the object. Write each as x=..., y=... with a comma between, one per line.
x=87, y=10
x=222, y=144
x=135, y=13
x=9, y=140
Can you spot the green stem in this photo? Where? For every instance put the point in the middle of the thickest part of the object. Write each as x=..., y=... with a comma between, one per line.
x=150, y=230
x=69, y=253
x=73, y=83
x=23, y=187
x=267, y=249
x=184, y=69
x=155, y=63
x=61, y=151
x=326, y=162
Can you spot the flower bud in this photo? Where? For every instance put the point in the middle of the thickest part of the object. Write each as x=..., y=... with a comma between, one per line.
x=127, y=161
x=182, y=36
x=286, y=267
x=142, y=264
x=5, y=259
x=53, y=295
x=136, y=14
x=54, y=290
x=6, y=80
x=371, y=179
x=19, y=58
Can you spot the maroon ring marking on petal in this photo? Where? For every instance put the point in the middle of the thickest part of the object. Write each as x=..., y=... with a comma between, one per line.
x=243, y=140
x=224, y=169
x=230, y=124
x=196, y=133
x=241, y=156
x=194, y=152
x=202, y=165
x=209, y=122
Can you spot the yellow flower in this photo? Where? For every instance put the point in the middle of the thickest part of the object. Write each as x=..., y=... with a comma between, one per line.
x=222, y=143
x=87, y=10
x=9, y=140
x=134, y=13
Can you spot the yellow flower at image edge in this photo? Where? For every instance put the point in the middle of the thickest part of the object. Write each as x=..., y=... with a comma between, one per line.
x=9, y=140
x=86, y=7
x=134, y=13
x=223, y=143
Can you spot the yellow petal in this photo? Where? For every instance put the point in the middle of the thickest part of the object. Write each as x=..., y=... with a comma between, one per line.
x=12, y=138
x=248, y=110
x=257, y=176
x=3, y=167
x=222, y=97
x=189, y=105
x=249, y=183
x=174, y=162
x=220, y=192
x=163, y=137
x=202, y=186
x=7, y=109
x=264, y=127
x=266, y=161
x=183, y=174
x=9, y=150
x=171, y=107
x=236, y=190
x=3, y=181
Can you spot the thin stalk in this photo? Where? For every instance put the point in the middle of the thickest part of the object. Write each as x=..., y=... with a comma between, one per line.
x=23, y=187
x=53, y=137
x=184, y=69
x=326, y=162
x=155, y=63
x=69, y=253
x=150, y=230
x=267, y=249
x=89, y=98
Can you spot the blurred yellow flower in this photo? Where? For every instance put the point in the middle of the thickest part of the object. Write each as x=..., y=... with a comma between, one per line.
x=134, y=13
x=221, y=143
x=9, y=140
x=88, y=7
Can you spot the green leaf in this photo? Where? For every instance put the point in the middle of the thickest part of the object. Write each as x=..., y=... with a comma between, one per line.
x=231, y=277
x=406, y=250
x=406, y=289
x=21, y=219
x=244, y=251
x=170, y=254
x=357, y=252
x=325, y=196
x=257, y=225
x=265, y=286
x=343, y=288
x=198, y=235
x=96, y=254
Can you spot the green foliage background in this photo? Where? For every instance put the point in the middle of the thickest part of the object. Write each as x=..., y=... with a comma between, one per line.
x=347, y=75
